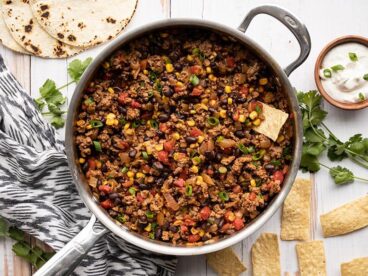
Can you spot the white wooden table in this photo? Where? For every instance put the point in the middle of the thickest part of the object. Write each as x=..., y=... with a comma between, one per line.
x=325, y=20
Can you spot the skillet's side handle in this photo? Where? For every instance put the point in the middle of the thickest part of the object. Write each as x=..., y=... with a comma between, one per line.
x=67, y=259
x=292, y=23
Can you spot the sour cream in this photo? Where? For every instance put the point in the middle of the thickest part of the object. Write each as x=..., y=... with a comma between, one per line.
x=344, y=72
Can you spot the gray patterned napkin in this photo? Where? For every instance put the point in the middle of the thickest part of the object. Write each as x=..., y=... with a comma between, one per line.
x=38, y=196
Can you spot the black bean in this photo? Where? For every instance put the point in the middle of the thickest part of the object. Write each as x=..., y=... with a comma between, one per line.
x=211, y=109
x=163, y=117
x=164, y=78
x=239, y=134
x=113, y=195
x=241, y=100
x=85, y=167
x=143, y=186
x=146, y=138
x=166, y=225
x=132, y=153
x=224, y=101
x=220, y=91
x=158, y=233
x=157, y=165
x=104, y=168
x=269, y=167
x=190, y=139
x=173, y=229
x=218, y=156
x=122, y=109
x=168, y=92
x=220, y=223
x=117, y=201
x=210, y=155
x=160, y=134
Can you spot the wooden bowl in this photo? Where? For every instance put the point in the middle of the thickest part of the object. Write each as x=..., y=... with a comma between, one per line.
x=326, y=49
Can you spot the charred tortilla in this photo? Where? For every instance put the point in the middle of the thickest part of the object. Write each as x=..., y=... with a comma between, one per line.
x=6, y=38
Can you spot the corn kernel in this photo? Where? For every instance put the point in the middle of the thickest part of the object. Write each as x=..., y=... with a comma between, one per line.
x=130, y=174
x=169, y=67
x=211, y=77
x=199, y=179
x=116, y=122
x=139, y=175
x=251, y=89
x=129, y=131
x=80, y=123
x=227, y=89
x=201, y=232
x=200, y=139
x=194, y=231
x=257, y=122
x=82, y=160
x=179, y=83
x=229, y=101
x=89, y=127
x=127, y=125
x=111, y=90
x=230, y=216
x=190, y=58
x=106, y=65
x=212, y=103
x=148, y=228
x=109, y=122
x=194, y=169
x=191, y=123
x=208, y=70
x=176, y=156
x=104, y=182
x=193, y=146
x=204, y=101
x=110, y=116
x=241, y=118
x=280, y=138
x=192, y=111
x=253, y=115
x=177, y=74
x=145, y=72
x=207, y=91
x=253, y=183
x=159, y=147
x=263, y=81
x=176, y=136
x=222, y=113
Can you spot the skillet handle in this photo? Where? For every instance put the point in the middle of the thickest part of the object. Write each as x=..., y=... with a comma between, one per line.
x=292, y=23
x=67, y=259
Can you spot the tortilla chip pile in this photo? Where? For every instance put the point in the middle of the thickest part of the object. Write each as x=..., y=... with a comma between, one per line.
x=59, y=29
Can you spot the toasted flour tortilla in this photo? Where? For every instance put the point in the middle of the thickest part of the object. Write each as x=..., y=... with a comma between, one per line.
x=83, y=23
x=6, y=38
x=29, y=34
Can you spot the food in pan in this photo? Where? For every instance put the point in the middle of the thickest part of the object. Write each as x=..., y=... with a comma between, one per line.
x=166, y=136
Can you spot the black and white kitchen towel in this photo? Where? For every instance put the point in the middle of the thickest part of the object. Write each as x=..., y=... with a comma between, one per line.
x=37, y=194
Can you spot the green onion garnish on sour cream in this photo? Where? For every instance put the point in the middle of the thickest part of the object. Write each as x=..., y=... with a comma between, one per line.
x=327, y=73
x=337, y=67
x=365, y=77
x=353, y=56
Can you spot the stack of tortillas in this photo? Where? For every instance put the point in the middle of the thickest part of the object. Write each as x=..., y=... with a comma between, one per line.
x=61, y=28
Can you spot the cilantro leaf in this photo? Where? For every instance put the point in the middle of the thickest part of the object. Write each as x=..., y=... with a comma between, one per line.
x=40, y=103
x=21, y=249
x=48, y=88
x=3, y=227
x=58, y=122
x=341, y=175
x=16, y=234
x=53, y=108
x=309, y=163
x=77, y=67
x=314, y=149
x=313, y=137
x=334, y=155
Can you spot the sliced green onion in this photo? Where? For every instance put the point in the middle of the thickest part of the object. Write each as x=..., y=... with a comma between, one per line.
x=167, y=60
x=337, y=67
x=365, y=77
x=120, y=218
x=124, y=170
x=145, y=155
x=276, y=163
x=150, y=94
x=327, y=73
x=135, y=124
x=361, y=97
x=196, y=160
x=259, y=154
x=196, y=51
x=353, y=56
x=243, y=148
x=89, y=101
x=97, y=146
x=122, y=121
x=151, y=235
x=154, y=124
x=149, y=214
x=188, y=190
x=158, y=86
x=220, y=138
x=152, y=76
x=223, y=196
x=95, y=123
x=258, y=109
x=132, y=191
x=194, y=80
x=222, y=170
x=213, y=121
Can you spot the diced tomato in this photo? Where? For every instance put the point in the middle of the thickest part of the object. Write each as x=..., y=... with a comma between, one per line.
x=179, y=182
x=189, y=222
x=285, y=169
x=252, y=196
x=122, y=97
x=195, y=132
x=143, y=64
x=236, y=116
x=238, y=224
x=244, y=90
x=163, y=156
x=194, y=238
x=253, y=106
x=210, y=172
x=225, y=227
x=229, y=216
x=278, y=175
x=230, y=62
x=163, y=127
x=107, y=204
x=237, y=189
x=197, y=91
x=169, y=145
x=140, y=198
x=205, y=213
x=91, y=164
x=105, y=188
x=183, y=228
x=196, y=69
x=135, y=104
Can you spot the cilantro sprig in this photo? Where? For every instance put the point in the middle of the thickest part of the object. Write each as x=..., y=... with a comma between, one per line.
x=318, y=138
x=53, y=98
x=34, y=255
